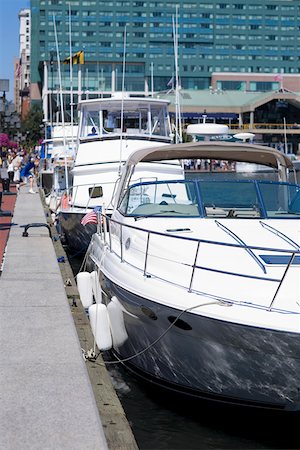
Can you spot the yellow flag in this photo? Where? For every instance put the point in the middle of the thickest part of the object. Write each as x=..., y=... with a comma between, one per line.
x=77, y=58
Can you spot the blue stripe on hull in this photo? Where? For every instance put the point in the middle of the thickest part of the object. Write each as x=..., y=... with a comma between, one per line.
x=205, y=357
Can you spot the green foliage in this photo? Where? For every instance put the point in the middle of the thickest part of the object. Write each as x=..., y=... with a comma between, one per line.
x=186, y=137
x=32, y=126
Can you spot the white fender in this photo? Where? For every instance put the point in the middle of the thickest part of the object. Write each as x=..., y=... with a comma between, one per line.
x=84, y=286
x=117, y=325
x=53, y=203
x=47, y=200
x=96, y=287
x=100, y=326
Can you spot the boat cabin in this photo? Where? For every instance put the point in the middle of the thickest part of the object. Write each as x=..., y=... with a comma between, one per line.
x=109, y=117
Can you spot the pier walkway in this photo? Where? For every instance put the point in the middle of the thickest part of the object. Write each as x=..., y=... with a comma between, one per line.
x=47, y=401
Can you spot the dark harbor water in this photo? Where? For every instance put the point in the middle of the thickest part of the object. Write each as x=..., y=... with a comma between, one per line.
x=164, y=421
x=160, y=420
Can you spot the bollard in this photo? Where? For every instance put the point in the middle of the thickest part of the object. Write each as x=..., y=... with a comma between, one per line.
x=5, y=186
x=4, y=213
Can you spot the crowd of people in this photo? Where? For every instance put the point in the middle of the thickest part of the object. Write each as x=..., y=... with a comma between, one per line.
x=19, y=167
x=208, y=165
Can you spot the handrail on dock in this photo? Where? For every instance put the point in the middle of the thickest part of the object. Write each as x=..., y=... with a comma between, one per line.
x=35, y=225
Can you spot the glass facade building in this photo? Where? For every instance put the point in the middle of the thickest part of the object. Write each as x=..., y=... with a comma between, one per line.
x=213, y=36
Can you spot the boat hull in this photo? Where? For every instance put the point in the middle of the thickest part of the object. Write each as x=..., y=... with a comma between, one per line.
x=75, y=236
x=208, y=358
x=46, y=178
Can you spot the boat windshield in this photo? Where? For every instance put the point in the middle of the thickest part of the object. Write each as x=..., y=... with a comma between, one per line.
x=249, y=199
x=138, y=119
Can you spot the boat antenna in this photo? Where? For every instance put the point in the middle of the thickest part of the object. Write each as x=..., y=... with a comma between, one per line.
x=71, y=80
x=178, y=128
x=122, y=102
x=61, y=103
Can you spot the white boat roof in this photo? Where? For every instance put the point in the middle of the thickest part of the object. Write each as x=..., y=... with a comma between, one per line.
x=207, y=129
x=133, y=102
x=59, y=139
x=227, y=151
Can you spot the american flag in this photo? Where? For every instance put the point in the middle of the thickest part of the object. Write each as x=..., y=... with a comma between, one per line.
x=19, y=68
x=92, y=216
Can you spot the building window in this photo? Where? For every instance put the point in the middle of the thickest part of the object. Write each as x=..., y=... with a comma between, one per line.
x=231, y=85
x=263, y=86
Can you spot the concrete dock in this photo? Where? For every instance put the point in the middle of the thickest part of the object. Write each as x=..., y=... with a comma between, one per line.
x=46, y=393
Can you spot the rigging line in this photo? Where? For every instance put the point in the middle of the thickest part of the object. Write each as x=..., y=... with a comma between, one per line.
x=240, y=241
x=83, y=264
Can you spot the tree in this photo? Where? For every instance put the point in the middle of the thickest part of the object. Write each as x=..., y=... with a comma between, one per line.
x=32, y=126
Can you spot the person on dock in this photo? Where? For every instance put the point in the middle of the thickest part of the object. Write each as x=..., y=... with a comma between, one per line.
x=28, y=174
x=10, y=169
x=17, y=162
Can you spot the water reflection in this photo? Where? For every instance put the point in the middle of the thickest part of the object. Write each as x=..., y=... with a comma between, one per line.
x=161, y=420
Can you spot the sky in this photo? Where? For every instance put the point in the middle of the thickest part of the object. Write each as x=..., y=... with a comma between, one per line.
x=9, y=39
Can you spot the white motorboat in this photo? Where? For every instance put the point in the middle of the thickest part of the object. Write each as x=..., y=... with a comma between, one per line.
x=110, y=129
x=57, y=160
x=201, y=279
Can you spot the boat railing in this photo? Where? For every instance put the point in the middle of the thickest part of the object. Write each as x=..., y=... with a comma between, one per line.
x=110, y=229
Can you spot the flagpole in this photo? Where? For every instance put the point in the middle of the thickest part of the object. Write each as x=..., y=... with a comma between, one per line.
x=61, y=104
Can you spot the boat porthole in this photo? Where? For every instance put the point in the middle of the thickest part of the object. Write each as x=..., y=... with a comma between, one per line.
x=149, y=313
x=127, y=244
x=179, y=323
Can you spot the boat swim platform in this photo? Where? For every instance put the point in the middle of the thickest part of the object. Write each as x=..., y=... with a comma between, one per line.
x=51, y=397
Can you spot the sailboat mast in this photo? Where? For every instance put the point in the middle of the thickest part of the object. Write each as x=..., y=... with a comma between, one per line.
x=177, y=87
x=61, y=104
x=122, y=103
x=71, y=79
